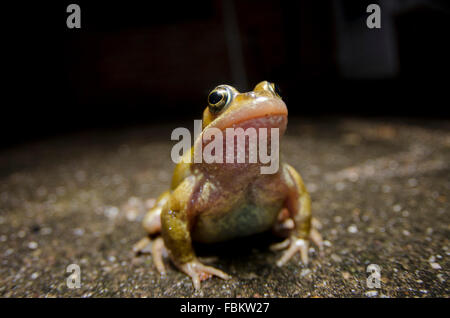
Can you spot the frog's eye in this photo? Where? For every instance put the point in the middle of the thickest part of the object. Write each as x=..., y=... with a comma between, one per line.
x=275, y=89
x=218, y=99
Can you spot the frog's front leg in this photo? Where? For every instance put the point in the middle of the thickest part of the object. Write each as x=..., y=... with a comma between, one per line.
x=175, y=225
x=298, y=204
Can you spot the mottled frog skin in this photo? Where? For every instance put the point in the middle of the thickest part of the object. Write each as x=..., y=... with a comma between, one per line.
x=221, y=201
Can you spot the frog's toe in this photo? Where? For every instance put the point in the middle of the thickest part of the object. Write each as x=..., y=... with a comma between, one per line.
x=199, y=272
x=316, y=238
x=156, y=248
x=296, y=245
x=281, y=245
x=144, y=246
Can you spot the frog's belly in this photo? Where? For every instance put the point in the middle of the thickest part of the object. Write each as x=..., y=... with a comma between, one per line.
x=244, y=221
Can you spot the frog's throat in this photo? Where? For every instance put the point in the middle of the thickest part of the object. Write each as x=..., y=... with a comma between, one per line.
x=241, y=172
x=266, y=123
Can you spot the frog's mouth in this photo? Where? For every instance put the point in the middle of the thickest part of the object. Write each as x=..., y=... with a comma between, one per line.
x=263, y=112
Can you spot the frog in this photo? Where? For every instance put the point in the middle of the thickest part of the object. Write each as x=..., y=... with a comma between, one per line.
x=216, y=202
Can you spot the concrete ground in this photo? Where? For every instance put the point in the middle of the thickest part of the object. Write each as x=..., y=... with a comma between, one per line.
x=380, y=188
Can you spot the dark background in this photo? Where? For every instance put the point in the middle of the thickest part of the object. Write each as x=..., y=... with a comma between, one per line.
x=138, y=63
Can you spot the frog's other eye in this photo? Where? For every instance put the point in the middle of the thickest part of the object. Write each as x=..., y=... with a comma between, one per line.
x=275, y=89
x=218, y=99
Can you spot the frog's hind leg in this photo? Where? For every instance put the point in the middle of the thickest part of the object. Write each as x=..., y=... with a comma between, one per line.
x=314, y=234
x=152, y=224
x=156, y=248
x=152, y=220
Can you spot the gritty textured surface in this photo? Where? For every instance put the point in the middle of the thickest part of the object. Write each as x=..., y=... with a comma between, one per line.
x=380, y=189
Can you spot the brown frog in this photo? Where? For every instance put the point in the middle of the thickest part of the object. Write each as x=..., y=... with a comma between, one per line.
x=214, y=202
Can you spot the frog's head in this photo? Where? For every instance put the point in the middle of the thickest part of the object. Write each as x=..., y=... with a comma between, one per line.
x=228, y=108
x=262, y=107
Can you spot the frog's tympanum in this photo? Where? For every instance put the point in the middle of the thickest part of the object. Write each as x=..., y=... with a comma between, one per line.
x=214, y=202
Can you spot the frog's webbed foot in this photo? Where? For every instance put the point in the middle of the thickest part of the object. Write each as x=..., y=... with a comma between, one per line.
x=156, y=248
x=294, y=244
x=199, y=272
